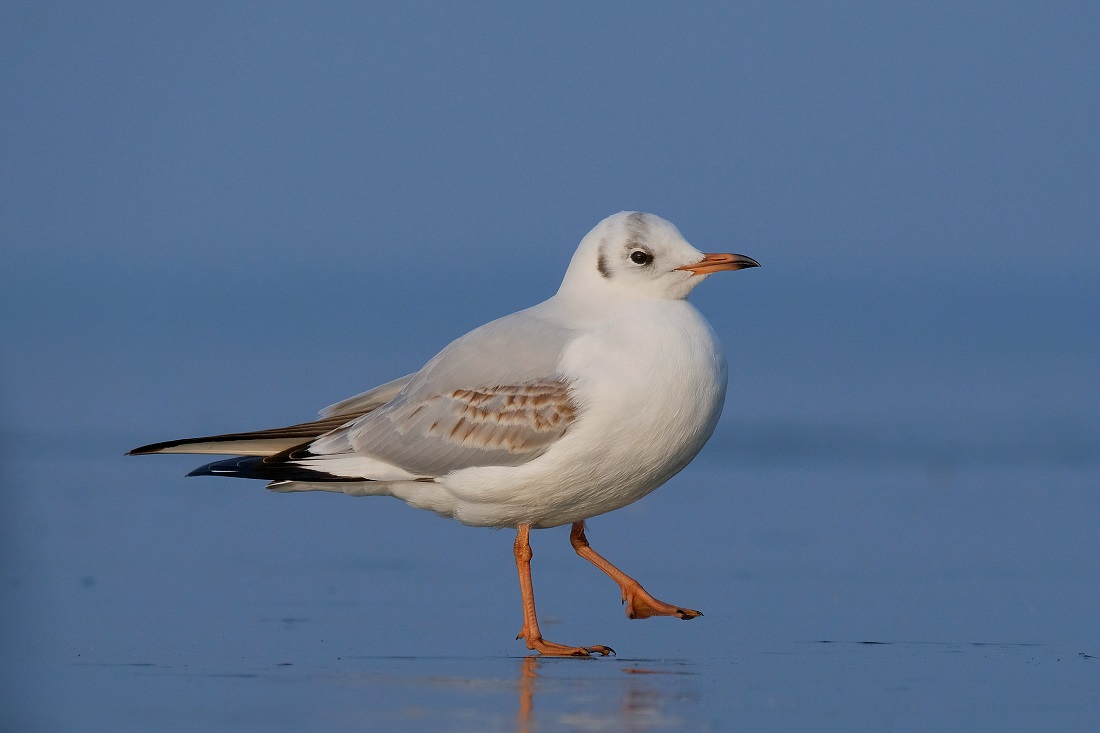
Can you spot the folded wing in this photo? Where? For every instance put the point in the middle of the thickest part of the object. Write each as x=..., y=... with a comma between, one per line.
x=491, y=398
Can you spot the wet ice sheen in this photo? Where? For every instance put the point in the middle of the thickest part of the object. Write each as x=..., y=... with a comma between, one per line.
x=881, y=597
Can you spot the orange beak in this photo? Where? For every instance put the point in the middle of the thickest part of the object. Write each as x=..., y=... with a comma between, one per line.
x=720, y=261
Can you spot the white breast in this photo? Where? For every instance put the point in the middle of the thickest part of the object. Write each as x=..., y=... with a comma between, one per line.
x=650, y=381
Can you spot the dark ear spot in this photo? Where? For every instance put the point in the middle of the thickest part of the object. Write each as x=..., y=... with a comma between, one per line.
x=601, y=265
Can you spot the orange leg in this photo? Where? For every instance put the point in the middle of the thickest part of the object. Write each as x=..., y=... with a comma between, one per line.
x=530, y=631
x=639, y=604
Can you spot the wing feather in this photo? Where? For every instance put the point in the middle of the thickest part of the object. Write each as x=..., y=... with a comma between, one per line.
x=501, y=425
x=369, y=400
x=253, y=443
x=491, y=398
x=277, y=440
x=494, y=397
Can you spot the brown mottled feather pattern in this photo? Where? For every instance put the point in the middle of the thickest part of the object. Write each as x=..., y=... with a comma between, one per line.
x=517, y=418
x=432, y=434
x=513, y=417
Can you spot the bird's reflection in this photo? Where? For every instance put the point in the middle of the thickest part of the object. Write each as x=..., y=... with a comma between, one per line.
x=640, y=705
x=528, y=674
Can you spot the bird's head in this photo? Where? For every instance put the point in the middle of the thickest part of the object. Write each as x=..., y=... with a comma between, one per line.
x=641, y=255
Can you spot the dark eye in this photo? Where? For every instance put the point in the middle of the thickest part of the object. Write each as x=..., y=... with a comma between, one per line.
x=641, y=257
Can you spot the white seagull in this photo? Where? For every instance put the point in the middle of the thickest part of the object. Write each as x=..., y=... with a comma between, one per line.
x=569, y=409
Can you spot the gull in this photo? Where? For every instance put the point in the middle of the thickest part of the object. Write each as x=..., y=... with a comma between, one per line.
x=567, y=410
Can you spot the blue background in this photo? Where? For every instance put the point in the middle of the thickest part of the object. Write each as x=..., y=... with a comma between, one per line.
x=223, y=216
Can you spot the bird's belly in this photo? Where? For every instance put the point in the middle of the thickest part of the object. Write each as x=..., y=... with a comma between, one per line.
x=637, y=428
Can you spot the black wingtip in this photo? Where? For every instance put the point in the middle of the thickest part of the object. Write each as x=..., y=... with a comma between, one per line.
x=239, y=467
x=269, y=468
